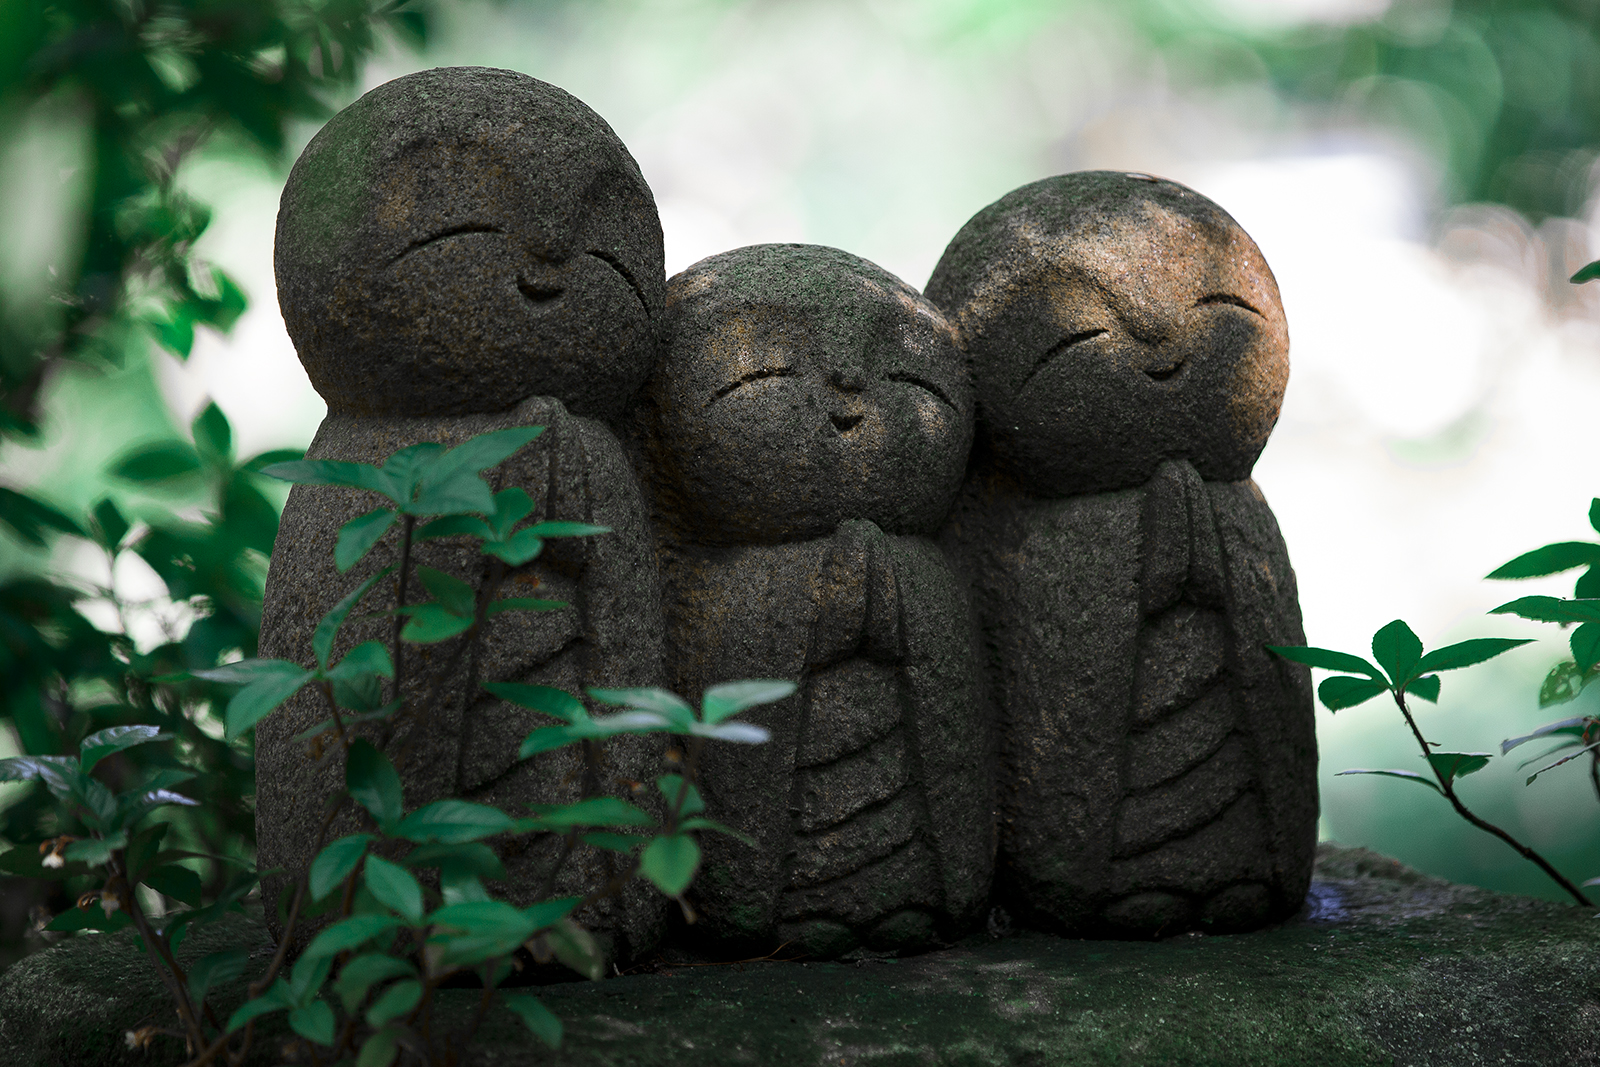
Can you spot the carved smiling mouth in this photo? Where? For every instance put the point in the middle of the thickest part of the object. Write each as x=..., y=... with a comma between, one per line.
x=1162, y=374
x=537, y=293
x=844, y=423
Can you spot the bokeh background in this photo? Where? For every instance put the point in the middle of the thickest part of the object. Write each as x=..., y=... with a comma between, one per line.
x=1420, y=174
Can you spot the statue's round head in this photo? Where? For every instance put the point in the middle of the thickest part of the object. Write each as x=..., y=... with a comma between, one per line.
x=799, y=387
x=460, y=239
x=1114, y=321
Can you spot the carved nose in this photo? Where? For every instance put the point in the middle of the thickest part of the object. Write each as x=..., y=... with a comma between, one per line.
x=847, y=380
x=844, y=423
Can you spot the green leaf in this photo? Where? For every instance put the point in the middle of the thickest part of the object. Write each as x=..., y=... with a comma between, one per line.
x=431, y=623
x=97, y=746
x=1466, y=653
x=744, y=733
x=1397, y=651
x=624, y=843
x=1425, y=688
x=549, y=912
x=261, y=698
x=484, y=917
x=175, y=881
x=256, y=463
x=1453, y=765
x=395, y=888
x=1340, y=691
x=517, y=549
x=452, y=526
x=357, y=537
x=1585, y=644
x=554, y=702
x=523, y=603
x=365, y=971
x=213, y=970
x=1564, y=682
x=453, y=822
x=328, y=628
x=535, y=1016
x=482, y=452
x=314, y=1022
x=213, y=437
x=709, y=826
x=511, y=506
x=373, y=783
x=460, y=493
x=1585, y=274
x=627, y=722
x=95, y=850
x=334, y=472
x=1565, y=759
x=143, y=848
x=353, y=932
x=1328, y=660
x=1574, y=727
x=722, y=701
x=468, y=857
x=109, y=525
x=1410, y=776
x=1551, y=609
x=577, y=948
x=395, y=1001
x=335, y=862
x=163, y=462
x=669, y=862
x=1551, y=559
x=365, y=660
x=453, y=594
x=90, y=918
x=276, y=998
x=28, y=517
x=379, y=1050
x=547, y=530
x=661, y=701
x=595, y=811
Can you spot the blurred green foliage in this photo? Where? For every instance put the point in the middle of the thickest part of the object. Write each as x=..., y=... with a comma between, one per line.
x=1503, y=94
x=151, y=81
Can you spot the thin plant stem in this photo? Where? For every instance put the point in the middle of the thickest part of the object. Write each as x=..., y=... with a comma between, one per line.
x=1447, y=787
x=167, y=966
x=396, y=648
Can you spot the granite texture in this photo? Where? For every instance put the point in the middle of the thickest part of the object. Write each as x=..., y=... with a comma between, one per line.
x=464, y=250
x=460, y=239
x=801, y=438
x=1383, y=967
x=1157, y=764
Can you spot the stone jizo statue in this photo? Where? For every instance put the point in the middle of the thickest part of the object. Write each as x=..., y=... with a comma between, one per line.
x=802, y=437
x=459, y=251
x=1129, y=352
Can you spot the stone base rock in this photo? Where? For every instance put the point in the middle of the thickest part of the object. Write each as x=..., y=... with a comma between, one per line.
x=1384, y=966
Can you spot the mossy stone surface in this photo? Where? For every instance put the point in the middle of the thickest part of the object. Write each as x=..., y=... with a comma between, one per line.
x=1385, y=966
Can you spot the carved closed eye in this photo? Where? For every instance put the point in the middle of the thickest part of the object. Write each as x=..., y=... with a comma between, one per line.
x=454, y=231
x=1066, y=343
x=921, y=383
x=753, y=376
x=1227, y=298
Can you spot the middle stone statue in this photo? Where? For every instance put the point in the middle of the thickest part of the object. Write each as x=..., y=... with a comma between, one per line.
x=801, y=439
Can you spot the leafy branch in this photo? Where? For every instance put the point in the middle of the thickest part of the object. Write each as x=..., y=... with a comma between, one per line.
x=1407, y=670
